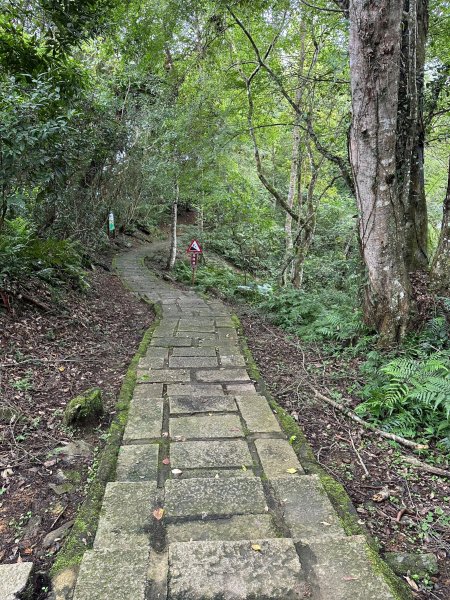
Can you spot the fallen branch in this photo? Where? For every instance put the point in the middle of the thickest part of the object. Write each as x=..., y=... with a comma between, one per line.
x=351, y=415
x=415, y=462
x=35, y=301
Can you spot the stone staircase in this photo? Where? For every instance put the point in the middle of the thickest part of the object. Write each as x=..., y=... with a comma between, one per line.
x=241, y=520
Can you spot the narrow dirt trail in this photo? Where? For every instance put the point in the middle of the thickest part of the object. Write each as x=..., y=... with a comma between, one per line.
x=210, y=500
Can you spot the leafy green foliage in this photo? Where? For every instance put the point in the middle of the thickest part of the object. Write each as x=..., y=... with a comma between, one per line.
x=211, y=277
x=410, y=394
x=23, y=255
x=315, y=315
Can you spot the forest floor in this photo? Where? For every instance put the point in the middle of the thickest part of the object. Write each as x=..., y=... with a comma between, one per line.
x=412, y=515
x=48, y=357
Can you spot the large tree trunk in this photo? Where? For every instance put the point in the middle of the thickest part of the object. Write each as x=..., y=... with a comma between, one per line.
x=440, y=270
x=384, y=141
x=375, y=44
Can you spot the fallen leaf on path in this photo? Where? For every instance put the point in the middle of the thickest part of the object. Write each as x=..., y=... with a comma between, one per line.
x=166, y=461
x=412, y=584
x=256, y=547
x=158, y=513
x=292, y=470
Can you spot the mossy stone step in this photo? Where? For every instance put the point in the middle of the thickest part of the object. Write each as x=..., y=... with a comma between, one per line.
x=306, y=507
x=113, y=575
x=236, y=570
x=345, y=569
x=198, y=498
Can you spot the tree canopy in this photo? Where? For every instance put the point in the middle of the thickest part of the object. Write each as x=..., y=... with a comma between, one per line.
x=255, y=115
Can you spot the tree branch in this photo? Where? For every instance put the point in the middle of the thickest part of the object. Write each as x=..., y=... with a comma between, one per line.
x=336, y=159
x=321, y=8
x=259, y=168
x=344, y=5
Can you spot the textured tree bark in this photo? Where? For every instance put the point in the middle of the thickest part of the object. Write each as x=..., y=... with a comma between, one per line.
x=440, y=269
x=411, y=132
x=375, y=57
x=173, y=231
x=306, y=235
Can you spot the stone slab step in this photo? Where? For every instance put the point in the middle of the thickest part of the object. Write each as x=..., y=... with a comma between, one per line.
x=206, y=426
x=125, y=516
x=112, y=575
x=201, y=404
x=238, y=527
x=202, y=497
x=14, y=580
x=257, y=414
x=138, y=463
x=277, y=457
x=210, y=454
x=225, y=570
x=306, y=507
x=145, y=418
x=343, y=569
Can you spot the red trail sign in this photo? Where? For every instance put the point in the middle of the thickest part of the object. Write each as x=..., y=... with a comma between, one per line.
x=194, y=246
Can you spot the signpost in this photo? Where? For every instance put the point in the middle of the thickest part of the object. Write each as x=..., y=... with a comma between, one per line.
x=194, y=250
x=111, y=225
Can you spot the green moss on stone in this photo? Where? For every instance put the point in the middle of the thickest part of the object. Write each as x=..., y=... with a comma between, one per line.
x=83, y=531
x=398, y=588
x=73, y=476
x=85, y=408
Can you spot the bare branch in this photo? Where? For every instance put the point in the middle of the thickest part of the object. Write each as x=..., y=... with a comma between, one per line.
x=344, y=5
x=336, y=159
x=321, y=8
x=259, y=168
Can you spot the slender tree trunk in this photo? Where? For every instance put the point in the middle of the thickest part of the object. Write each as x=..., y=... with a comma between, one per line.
x=440, y=269
x=295, y=174
x=411, y=133
x=200, y=219
x=306, y=235
x=173, y=231
x=375, y=39
x=294, y=177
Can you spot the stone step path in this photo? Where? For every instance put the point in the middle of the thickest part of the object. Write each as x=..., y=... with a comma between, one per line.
x=241, y=519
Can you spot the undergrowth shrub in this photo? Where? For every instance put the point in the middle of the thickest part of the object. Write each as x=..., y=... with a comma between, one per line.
x=23, y=256
x=314, y=315
x=410, y=394
x=210, y=276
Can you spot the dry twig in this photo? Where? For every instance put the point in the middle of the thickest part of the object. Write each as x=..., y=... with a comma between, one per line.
x=358, y=455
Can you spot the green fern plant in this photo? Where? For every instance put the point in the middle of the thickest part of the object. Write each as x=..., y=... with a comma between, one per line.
x=411, y=397
x=23, y=255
